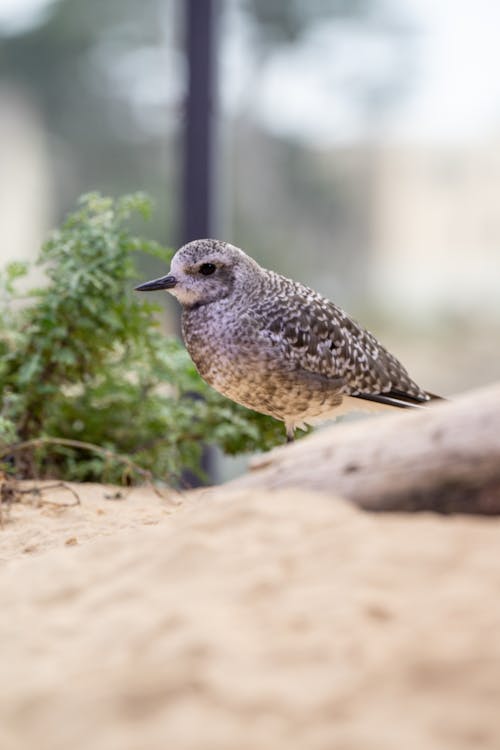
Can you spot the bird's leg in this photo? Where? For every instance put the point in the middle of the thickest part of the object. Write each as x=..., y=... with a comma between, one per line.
x=290, y=432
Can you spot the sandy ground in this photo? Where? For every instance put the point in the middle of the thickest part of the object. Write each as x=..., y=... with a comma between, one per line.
x=237, y=621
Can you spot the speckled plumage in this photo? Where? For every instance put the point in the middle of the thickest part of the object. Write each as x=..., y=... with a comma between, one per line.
x=274, y=345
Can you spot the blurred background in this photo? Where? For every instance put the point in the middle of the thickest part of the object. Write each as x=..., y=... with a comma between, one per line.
x=356, y=147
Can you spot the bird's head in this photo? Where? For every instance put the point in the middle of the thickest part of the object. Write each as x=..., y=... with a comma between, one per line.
x=205, y=271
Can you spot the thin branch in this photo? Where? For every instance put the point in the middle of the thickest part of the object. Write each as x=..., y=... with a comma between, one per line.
x=37, y=491
x=70, y=443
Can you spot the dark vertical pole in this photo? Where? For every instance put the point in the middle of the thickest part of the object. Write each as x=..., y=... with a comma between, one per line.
x=197, y=205
x=199, y=137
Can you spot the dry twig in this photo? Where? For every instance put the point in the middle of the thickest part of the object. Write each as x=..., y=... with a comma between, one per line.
x=70, y=443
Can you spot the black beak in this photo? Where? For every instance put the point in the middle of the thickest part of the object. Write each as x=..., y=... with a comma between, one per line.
x=164, y=282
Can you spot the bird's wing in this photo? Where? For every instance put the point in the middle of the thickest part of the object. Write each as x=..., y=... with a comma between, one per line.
x=316, y=335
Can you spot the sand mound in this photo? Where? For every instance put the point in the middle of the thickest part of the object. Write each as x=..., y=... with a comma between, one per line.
x=242, y=621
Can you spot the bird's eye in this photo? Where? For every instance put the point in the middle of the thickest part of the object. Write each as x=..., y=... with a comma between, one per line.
x=207, y=269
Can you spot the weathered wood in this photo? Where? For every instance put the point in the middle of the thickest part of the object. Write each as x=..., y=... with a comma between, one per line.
x=445, y=459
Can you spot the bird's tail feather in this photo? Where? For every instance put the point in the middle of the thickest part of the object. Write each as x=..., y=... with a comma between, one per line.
x=400, y=400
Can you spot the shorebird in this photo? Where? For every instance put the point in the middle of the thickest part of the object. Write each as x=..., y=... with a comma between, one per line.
x=276, y=346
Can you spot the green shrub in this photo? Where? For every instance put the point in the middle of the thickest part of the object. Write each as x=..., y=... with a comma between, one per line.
x=85, y=361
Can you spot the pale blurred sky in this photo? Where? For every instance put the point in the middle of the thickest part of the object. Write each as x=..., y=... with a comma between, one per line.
x=455, y=94
x=20, y=15
x=459, y=92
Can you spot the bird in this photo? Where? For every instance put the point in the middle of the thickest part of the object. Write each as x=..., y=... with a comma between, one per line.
x=276, y=346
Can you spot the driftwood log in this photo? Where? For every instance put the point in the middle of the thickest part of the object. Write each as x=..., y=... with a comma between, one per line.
x=445, y=458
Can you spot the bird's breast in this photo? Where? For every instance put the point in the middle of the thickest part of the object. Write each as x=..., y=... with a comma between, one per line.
x=228, y=350
x=220, y=343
